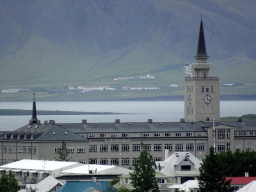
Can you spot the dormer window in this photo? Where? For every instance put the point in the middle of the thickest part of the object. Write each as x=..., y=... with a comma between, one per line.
x=185, y=167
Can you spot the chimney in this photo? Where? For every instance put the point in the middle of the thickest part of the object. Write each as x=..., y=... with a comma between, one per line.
x=246, y=174
x=52, y=122
x=182, y=120
x=150, y=120
x=84, y=121
x=117, y=120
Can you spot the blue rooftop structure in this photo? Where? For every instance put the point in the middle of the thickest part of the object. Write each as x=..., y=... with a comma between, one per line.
x=84, y=186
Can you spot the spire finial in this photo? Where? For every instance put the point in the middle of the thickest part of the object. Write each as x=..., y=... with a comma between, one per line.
x=201, y=48
x=34, y=118
x=34, y=97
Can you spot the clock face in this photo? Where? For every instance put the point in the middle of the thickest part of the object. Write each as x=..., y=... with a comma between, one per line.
x=189, y=99
x=207, y=99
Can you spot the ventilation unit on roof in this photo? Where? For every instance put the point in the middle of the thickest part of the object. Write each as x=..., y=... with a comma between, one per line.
x=177, y=154
x=128, y=123
x=65, y=132
x=53, y=133
x=60, y=124
x=90, y=171
x=187, y=154
x=117, y=120
x=84, y=121
x=160, y=123
x=29, y=127
x=150, y=120
x=95, y=124
x=45, y=122
x=182, y=120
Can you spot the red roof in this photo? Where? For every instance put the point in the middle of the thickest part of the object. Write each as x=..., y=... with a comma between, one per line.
x=240, y=180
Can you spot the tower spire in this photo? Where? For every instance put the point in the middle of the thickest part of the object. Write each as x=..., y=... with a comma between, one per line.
x=201, y=48
x=34, y=118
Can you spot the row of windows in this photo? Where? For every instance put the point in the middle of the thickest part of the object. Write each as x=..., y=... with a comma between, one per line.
x=19, y=149
x=207, y=89
x=115, y=161
x=209, y=109
x=71, y=149
x=190, y=110
x=137, y=147
x=249, y=133
x=203, y=89
x=248, y=147
x=222, y=133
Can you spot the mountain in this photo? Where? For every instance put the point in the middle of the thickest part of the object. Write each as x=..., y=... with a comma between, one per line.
x=48, y=44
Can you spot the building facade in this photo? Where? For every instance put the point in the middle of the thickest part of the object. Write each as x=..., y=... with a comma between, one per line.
x=119, y=143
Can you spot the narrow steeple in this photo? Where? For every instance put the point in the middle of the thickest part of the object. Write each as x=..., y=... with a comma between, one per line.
x=34, y=118
x=201, y=48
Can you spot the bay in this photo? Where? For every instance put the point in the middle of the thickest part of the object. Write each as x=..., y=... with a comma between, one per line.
x=132, y=111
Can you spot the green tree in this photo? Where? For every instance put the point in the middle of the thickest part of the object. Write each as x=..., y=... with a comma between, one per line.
x=123, y=189
x=63, y=153
x=8, y=183
x=143, y=178
x=114, y=181
x=212, y=175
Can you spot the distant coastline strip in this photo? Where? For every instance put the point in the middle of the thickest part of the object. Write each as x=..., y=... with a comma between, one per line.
x=16, y=112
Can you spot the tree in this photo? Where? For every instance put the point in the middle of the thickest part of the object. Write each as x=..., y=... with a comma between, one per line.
x=143, y=178
x=63, y=153
x=123, y=189
x=212, y=176
x=8, y=183
x=109, y=188
x=114, y=181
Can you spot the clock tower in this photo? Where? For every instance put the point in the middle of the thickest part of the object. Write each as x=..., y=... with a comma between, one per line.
x=201, y=101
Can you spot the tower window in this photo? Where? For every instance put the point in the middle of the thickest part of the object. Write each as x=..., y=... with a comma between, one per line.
x=207, y=89
x=202, y=88
x=211, y=88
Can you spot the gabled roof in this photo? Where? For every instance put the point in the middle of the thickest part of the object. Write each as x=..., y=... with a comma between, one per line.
x=83, y=186
x=175, y=159
x=97, y=170
x=189, y=185
x=45, y=184
x=250, y=187
x=240, y=180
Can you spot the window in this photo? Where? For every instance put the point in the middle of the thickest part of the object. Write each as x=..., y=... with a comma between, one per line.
x=221, y=146
x=189, y=134
x=228, y=133
x=157, y=134
x=125, y=161
x=135, y=147
x=103, y=161
x=160, y=180
x=200, y=146
x=24, y=149
x=238, y=145
x=228, y=146
x=221, y=133
x=92, y=135
x=29, y=149
x=135, y=135
x=157, y=147
x=207, y=89
x=92, y=161
x=190, y=89
x=148, y=147
x=211, y=88
x=179, y=147
x=124, y=135
x=103, y=135
x=145, y=134
x=114, y=161
x=57, y=149
x=19, y=149
x=92, y=148
x=157, y=158
x=34, y=150
x=114, y=135
x=125, y=147
x=70, y=149
x=190, y=147
x=114, y=147
x=202, y=88
x=104, y=148
x=5, y=148
x=134, y=160
x=240, y=133
x=249, y=146
x=168, y=147
x=126, y=180
x=9, y=149
x=178, y=134
x=167, y=134
x=80, y=150
x=251, y=133
x=185, y=167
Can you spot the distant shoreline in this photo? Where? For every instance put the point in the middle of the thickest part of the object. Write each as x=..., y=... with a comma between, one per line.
x=15, y=112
